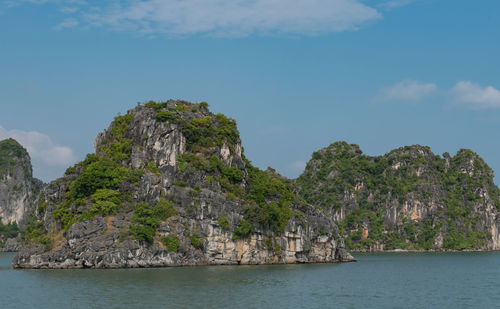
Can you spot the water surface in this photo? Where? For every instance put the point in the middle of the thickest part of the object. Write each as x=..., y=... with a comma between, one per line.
x=377, y=280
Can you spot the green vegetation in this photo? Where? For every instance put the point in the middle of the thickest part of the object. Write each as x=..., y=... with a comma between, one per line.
x=100, y=173
x=9, y=230
x=243, y=230
x=196, y=241
x=36, y=234
x=164, y=209
x=98, y=183
x=144, y=223
x=120, y=148
x=171, y=243
x=223, y=223
x=151, y=166
x=10, y=152
x=146, y=218
x=165, y=116
x=271, y=198
x=203, y=105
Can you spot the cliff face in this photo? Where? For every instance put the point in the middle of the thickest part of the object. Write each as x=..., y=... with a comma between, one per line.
x=18, y=188
x=409, y=198
x=169, y=185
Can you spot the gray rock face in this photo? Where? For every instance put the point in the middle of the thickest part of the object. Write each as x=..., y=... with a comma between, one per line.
x=18, y=188
x=11, y=245
x=200, y=198
x=98, y=243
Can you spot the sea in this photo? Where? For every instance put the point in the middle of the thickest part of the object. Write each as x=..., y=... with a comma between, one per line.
x=376, y=280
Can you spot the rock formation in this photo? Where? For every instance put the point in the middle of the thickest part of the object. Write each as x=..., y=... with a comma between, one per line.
x=409, y=198
x=18, y=188
x=18, y=191
x=169, y=185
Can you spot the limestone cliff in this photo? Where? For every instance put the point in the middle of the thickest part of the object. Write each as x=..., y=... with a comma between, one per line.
x=409, y=198
x=18, y=188
x=169, y=185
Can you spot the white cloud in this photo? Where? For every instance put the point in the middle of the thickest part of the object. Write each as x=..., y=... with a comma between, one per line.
x=395, y=4
x=68, y=10
x=67, y=23
x=48, y=159
x=407, y=90
x=222, y=17
x=466, y=92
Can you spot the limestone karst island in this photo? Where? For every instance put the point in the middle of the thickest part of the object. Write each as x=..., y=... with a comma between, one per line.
x=169, y=185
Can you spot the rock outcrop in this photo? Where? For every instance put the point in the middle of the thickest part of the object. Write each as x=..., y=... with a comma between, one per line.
x=18, y=191
x=11, y=245
x=409, y=198
x=18, y=188
x=169, y=185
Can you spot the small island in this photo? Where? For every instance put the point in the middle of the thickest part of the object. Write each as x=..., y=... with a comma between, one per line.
x=169, y=185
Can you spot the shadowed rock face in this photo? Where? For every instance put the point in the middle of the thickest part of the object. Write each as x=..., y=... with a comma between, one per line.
x=187, y=196
x=18, y=188
x=409, y=198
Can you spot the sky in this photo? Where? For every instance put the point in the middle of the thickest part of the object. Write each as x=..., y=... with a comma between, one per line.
x=295, y=75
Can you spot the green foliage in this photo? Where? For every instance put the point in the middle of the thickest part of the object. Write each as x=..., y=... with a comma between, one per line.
x=263, y=189
x=393, y=240
x=42, y=206
x=165, y=116
x=171, y=243
x=196, y=241
x=428, y=235
x=70, y=170
x=146, y=219
x=36, y=234
x=99, y=179
x=101, y=173
x=207, y=132
x=9, y=230
x=156, y=106
x=144, y=214
x=228, y=177
x=243, y=230
x=195, y=191
x=164, y=209
x=120, y=148
x=144, y=222
x=64, y=215
x=203, y=105
x=224, y=223
x=181, y=183
x=274, y=215
x=459, y=240
x=106, y=202
x=144, y=233
x=120, y=125
x=10, y=151
x=151, y=166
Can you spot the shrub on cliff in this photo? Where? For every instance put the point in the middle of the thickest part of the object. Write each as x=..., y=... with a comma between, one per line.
x=171, y=243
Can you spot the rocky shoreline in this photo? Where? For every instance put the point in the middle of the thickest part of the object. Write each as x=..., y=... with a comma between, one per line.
x=90, y=245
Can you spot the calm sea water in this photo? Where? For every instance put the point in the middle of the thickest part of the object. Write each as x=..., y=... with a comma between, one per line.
x=379, y=280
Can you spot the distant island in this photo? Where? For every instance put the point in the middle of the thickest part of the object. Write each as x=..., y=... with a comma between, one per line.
x=408, y=199
x=169, y=185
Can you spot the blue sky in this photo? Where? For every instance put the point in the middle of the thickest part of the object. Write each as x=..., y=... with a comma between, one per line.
x=296, y=75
